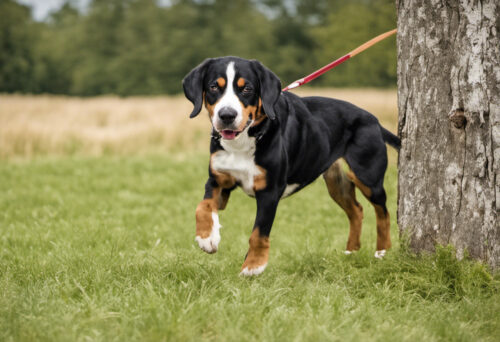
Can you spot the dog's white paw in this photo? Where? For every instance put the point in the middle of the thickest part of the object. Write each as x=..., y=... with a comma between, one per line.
x=380, y=254
x=211, y=243
x=346, y=252
x=253, y=271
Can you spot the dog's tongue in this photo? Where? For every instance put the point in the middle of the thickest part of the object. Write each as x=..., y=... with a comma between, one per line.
x=228, y=134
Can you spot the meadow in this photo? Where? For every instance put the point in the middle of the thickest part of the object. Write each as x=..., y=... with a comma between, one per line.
x=97, y=200
x=33, y=126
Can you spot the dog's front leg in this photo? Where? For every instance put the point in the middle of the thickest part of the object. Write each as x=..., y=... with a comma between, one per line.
x=207, y=218
x=258, y=252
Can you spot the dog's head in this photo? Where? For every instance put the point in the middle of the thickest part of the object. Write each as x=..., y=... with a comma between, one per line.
x=237, y=93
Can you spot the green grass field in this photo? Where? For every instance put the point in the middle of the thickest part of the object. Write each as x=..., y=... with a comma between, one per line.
x=103, y=249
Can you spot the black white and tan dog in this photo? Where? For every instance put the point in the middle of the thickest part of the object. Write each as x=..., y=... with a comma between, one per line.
x=273, y=143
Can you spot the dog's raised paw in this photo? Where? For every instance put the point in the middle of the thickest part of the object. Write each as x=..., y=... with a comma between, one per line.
x=210, y=244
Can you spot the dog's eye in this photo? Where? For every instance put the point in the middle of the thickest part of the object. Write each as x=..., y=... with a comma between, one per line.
x=214, y=88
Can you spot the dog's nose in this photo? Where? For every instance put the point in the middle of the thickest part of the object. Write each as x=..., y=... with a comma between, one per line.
x=227, y=115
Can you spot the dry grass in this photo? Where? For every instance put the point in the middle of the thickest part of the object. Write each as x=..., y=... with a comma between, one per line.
x=34, y=125
x=56, y=125
x=380, y=102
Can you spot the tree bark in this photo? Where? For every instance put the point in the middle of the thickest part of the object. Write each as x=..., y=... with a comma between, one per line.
x=449, y=124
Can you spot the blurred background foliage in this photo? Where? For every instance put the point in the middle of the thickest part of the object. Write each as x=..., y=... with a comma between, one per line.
x=144, y=47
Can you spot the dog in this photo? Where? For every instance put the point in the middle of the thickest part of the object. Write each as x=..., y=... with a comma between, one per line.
x=272, y=144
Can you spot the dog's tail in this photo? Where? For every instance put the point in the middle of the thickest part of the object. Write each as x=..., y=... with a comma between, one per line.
x=390, y=138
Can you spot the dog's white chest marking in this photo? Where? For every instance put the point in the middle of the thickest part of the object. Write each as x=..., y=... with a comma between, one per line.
x=238, y=160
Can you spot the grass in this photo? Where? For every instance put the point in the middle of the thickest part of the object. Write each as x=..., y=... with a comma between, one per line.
x=97, y=243
x=102, y=249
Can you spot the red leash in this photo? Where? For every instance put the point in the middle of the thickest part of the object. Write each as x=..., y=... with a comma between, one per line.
x=342, y=59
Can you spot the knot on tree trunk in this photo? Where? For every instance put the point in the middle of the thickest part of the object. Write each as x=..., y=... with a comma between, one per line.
x=457, y=117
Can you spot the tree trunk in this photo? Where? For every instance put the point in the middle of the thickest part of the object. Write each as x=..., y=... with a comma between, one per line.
x=449, y=123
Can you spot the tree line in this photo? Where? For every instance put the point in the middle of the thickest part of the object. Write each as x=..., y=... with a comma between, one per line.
x=144, y=47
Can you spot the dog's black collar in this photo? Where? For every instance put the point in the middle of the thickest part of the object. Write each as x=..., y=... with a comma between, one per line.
x=259, y=136
x=215, y=135
x=260, y=130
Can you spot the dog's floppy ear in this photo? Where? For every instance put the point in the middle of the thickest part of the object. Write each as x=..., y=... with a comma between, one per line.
x=193, y=86
x=270, y=88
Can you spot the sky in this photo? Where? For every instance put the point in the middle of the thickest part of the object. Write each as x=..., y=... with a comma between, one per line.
x=41, y=8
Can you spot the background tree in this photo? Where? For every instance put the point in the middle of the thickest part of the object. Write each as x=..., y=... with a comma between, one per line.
x=141, y=47
x=345, y=27
x=56, y=52
x=449, y=122
x=17, y=35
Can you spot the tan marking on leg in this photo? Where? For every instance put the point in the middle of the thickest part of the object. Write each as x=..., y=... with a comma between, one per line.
x=342, y=191
x=383, y=228
x=258, y=252
x=204, y=211
x=221, y=82
x=224, y=197
x=225, y=180
x=383, y=219
x=364, y=189
x=241, y=82
x=259, y=181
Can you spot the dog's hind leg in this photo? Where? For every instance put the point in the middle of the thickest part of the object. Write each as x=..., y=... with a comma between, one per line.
x=342, y=190
x=376, y=195
x=366, y=155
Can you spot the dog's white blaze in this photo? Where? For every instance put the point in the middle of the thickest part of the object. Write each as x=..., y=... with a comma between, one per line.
x=229, y=98
x=237, y=159
x=254, y=271
x=380, y=254
x=289, y=189
x=211, y=243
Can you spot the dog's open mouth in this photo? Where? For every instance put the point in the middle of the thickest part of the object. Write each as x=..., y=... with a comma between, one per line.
x=229, y=134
